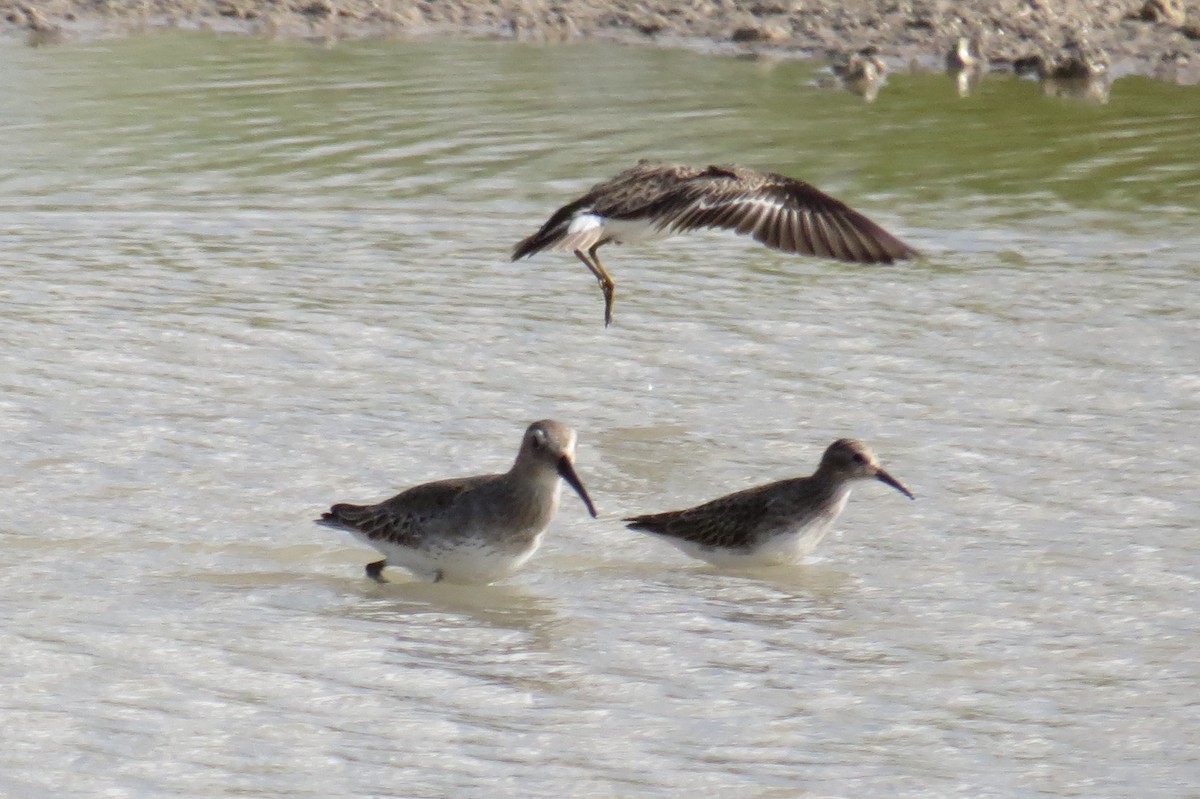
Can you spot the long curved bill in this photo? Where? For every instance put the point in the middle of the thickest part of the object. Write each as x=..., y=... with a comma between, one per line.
x=884, y=477
x=566, y=470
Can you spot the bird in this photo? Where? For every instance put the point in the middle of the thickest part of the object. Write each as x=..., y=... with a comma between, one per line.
x=963, y=54
x=773, y=524
x=965, y=63
x=470, y=529
x=654, y=200
x=1078, y=71
x=862, y=73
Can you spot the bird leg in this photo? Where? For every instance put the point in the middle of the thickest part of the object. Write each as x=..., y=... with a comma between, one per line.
x=592, y=262
x=375, y=570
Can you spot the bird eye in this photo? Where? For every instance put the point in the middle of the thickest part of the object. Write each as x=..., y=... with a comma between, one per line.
x=860, y=458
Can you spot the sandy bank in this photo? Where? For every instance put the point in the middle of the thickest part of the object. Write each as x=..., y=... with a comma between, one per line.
x=1157, y=38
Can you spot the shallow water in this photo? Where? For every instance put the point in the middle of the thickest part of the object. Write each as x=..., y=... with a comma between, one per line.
x=246, y=279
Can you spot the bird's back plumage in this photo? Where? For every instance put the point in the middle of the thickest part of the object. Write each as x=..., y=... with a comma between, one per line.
x=408, y=518
x=740, y=520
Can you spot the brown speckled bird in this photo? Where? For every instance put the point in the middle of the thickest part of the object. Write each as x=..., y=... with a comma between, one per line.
x=773, y=524
x=470, y=529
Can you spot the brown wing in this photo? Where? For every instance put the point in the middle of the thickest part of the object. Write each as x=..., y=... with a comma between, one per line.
x=731, y=521
x=407, y=517
x=639, y=191
x=625, y=195
x=778, y=211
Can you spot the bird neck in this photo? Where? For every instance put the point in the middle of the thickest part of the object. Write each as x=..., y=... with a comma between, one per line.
x=830, y=484
x=533, y=477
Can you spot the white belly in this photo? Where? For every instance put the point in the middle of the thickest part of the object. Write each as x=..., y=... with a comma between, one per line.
x=621, y=231
x=464, y=560
x=781, y=550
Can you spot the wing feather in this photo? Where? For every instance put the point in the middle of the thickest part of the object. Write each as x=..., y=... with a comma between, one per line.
x=732, y=521
x=778, y=211
x=781, y=212
x=827, y=237
x=405, y=518
x=852, y=242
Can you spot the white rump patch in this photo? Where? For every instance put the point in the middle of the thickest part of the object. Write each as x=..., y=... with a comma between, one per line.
x=587, y=230
x=584, y=222
x=583, y=232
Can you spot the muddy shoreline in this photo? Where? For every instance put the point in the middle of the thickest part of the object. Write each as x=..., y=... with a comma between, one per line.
x=1095, y=39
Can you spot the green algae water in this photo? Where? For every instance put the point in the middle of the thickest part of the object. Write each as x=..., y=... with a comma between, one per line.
x=245, y=279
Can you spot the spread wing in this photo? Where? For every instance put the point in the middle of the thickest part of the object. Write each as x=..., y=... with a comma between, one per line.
x=780, y=212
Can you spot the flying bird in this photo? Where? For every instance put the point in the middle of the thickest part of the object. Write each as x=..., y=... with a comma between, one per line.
x=656, y=200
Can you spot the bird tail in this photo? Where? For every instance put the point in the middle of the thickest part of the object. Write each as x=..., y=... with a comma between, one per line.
x=539, y=241
x=556, y=233
x=649, y=523
x=341, y=517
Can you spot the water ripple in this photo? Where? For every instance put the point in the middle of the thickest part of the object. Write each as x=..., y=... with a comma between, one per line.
x=247, y=279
